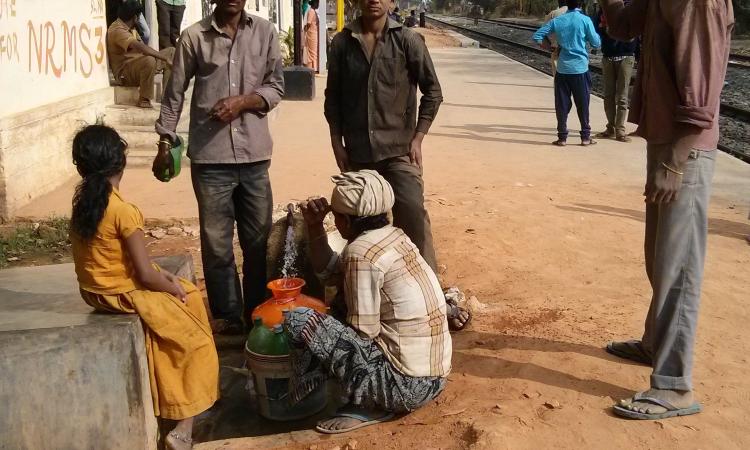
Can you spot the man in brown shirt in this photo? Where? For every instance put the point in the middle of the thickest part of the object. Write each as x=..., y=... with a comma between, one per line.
x=236, y=63
x=375, y=66
x=134, y=63
x=685, y=50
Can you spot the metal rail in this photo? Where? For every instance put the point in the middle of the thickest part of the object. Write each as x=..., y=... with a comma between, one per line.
x=735, y=59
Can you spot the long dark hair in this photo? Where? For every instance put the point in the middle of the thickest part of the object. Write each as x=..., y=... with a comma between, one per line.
x=98, y=154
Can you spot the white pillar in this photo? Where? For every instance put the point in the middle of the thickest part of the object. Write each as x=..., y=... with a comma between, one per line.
x=322, y=37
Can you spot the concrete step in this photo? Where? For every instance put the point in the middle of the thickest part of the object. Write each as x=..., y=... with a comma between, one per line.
x=144, y=135
x=120, y=115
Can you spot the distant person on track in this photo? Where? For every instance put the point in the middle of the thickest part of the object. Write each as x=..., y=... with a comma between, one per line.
x=676, y=106
x=574, y=30
x=476, y=13
x=551, y=40
x=618, y=61
x=412, y=20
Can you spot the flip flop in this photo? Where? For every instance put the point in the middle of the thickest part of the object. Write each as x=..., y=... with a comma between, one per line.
x=588, y=143
x=634, y=352
x=358, y=414
x=671, y=410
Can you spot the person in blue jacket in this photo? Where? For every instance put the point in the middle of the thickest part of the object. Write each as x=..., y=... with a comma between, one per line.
x=573, y=30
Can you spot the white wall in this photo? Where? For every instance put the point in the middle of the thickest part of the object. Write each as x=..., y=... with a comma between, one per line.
x=50, y=50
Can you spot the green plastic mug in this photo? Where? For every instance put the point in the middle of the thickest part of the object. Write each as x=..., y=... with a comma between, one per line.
x=177, y=150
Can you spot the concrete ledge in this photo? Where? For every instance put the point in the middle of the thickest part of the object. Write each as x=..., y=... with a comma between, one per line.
x=70, y=377
x=463, y=41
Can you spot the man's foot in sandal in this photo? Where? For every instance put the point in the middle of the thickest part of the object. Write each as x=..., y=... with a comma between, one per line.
x=560, y=143
x=656, y=404
x=144, y=103
x=587, y=142
x=630, y=350
x=350, y=418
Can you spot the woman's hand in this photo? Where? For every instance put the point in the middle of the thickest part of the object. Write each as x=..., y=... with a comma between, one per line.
x=179, y=290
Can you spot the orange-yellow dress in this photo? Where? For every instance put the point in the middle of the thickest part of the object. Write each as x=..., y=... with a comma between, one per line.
x=182, y=359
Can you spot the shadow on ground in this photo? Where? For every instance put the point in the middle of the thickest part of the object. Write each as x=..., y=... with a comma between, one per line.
x=721, y=227
x=495, y=367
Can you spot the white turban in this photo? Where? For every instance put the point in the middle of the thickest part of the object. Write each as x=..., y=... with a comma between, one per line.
x=362, y=194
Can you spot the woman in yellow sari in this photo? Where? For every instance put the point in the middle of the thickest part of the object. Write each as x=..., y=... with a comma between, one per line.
x=116, y=275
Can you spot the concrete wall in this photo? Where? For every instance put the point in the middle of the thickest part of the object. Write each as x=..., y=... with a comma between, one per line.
x=50, y=51
x=53, y=73
x=69, y=378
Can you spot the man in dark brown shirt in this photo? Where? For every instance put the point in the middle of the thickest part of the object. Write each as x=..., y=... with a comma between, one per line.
x=237, y=66
x=375, y=66
x=685, y=50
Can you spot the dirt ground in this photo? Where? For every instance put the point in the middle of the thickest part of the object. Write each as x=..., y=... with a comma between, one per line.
x=550, y=242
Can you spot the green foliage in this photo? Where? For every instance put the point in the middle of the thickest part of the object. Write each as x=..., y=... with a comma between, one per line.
x=21, y=239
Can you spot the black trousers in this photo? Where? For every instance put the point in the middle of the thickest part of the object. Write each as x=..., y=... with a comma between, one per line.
x=169, y=19
x=229, y=194
x=579, y=86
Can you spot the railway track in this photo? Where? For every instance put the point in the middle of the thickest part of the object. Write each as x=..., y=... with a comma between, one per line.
x=735, y=118
x=735, y=59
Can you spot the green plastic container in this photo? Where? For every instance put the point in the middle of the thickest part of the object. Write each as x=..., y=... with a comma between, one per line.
x=178, y=148
x=267, y=356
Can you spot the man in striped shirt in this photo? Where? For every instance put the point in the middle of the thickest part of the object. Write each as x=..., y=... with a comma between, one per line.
x=394, y=352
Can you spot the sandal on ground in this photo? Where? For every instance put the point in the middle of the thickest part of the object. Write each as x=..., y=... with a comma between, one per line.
x=671, y=410
x=227, y=327
x=607, y=134
x=367, y=418
x=587, y=142
x=560, y=143
x=623, y=138
x=145, y=103
x=453, y=312
x=630, y=350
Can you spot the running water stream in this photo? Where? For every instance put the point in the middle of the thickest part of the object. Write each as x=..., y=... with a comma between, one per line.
x=290, y=246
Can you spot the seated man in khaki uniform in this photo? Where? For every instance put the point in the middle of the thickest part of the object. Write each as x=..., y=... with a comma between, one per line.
x=134, y=63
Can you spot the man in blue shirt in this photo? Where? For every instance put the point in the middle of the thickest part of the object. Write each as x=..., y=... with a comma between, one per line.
x=573, y=30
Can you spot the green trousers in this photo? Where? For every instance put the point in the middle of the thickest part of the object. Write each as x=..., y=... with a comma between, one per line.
x=617, y=76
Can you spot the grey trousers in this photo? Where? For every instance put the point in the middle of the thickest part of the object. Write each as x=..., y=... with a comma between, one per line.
x=617, y=76
x=675, y=249
x=409, y=212
x=229, y=193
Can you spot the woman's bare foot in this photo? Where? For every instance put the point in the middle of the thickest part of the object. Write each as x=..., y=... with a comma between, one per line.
x=181, y=437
